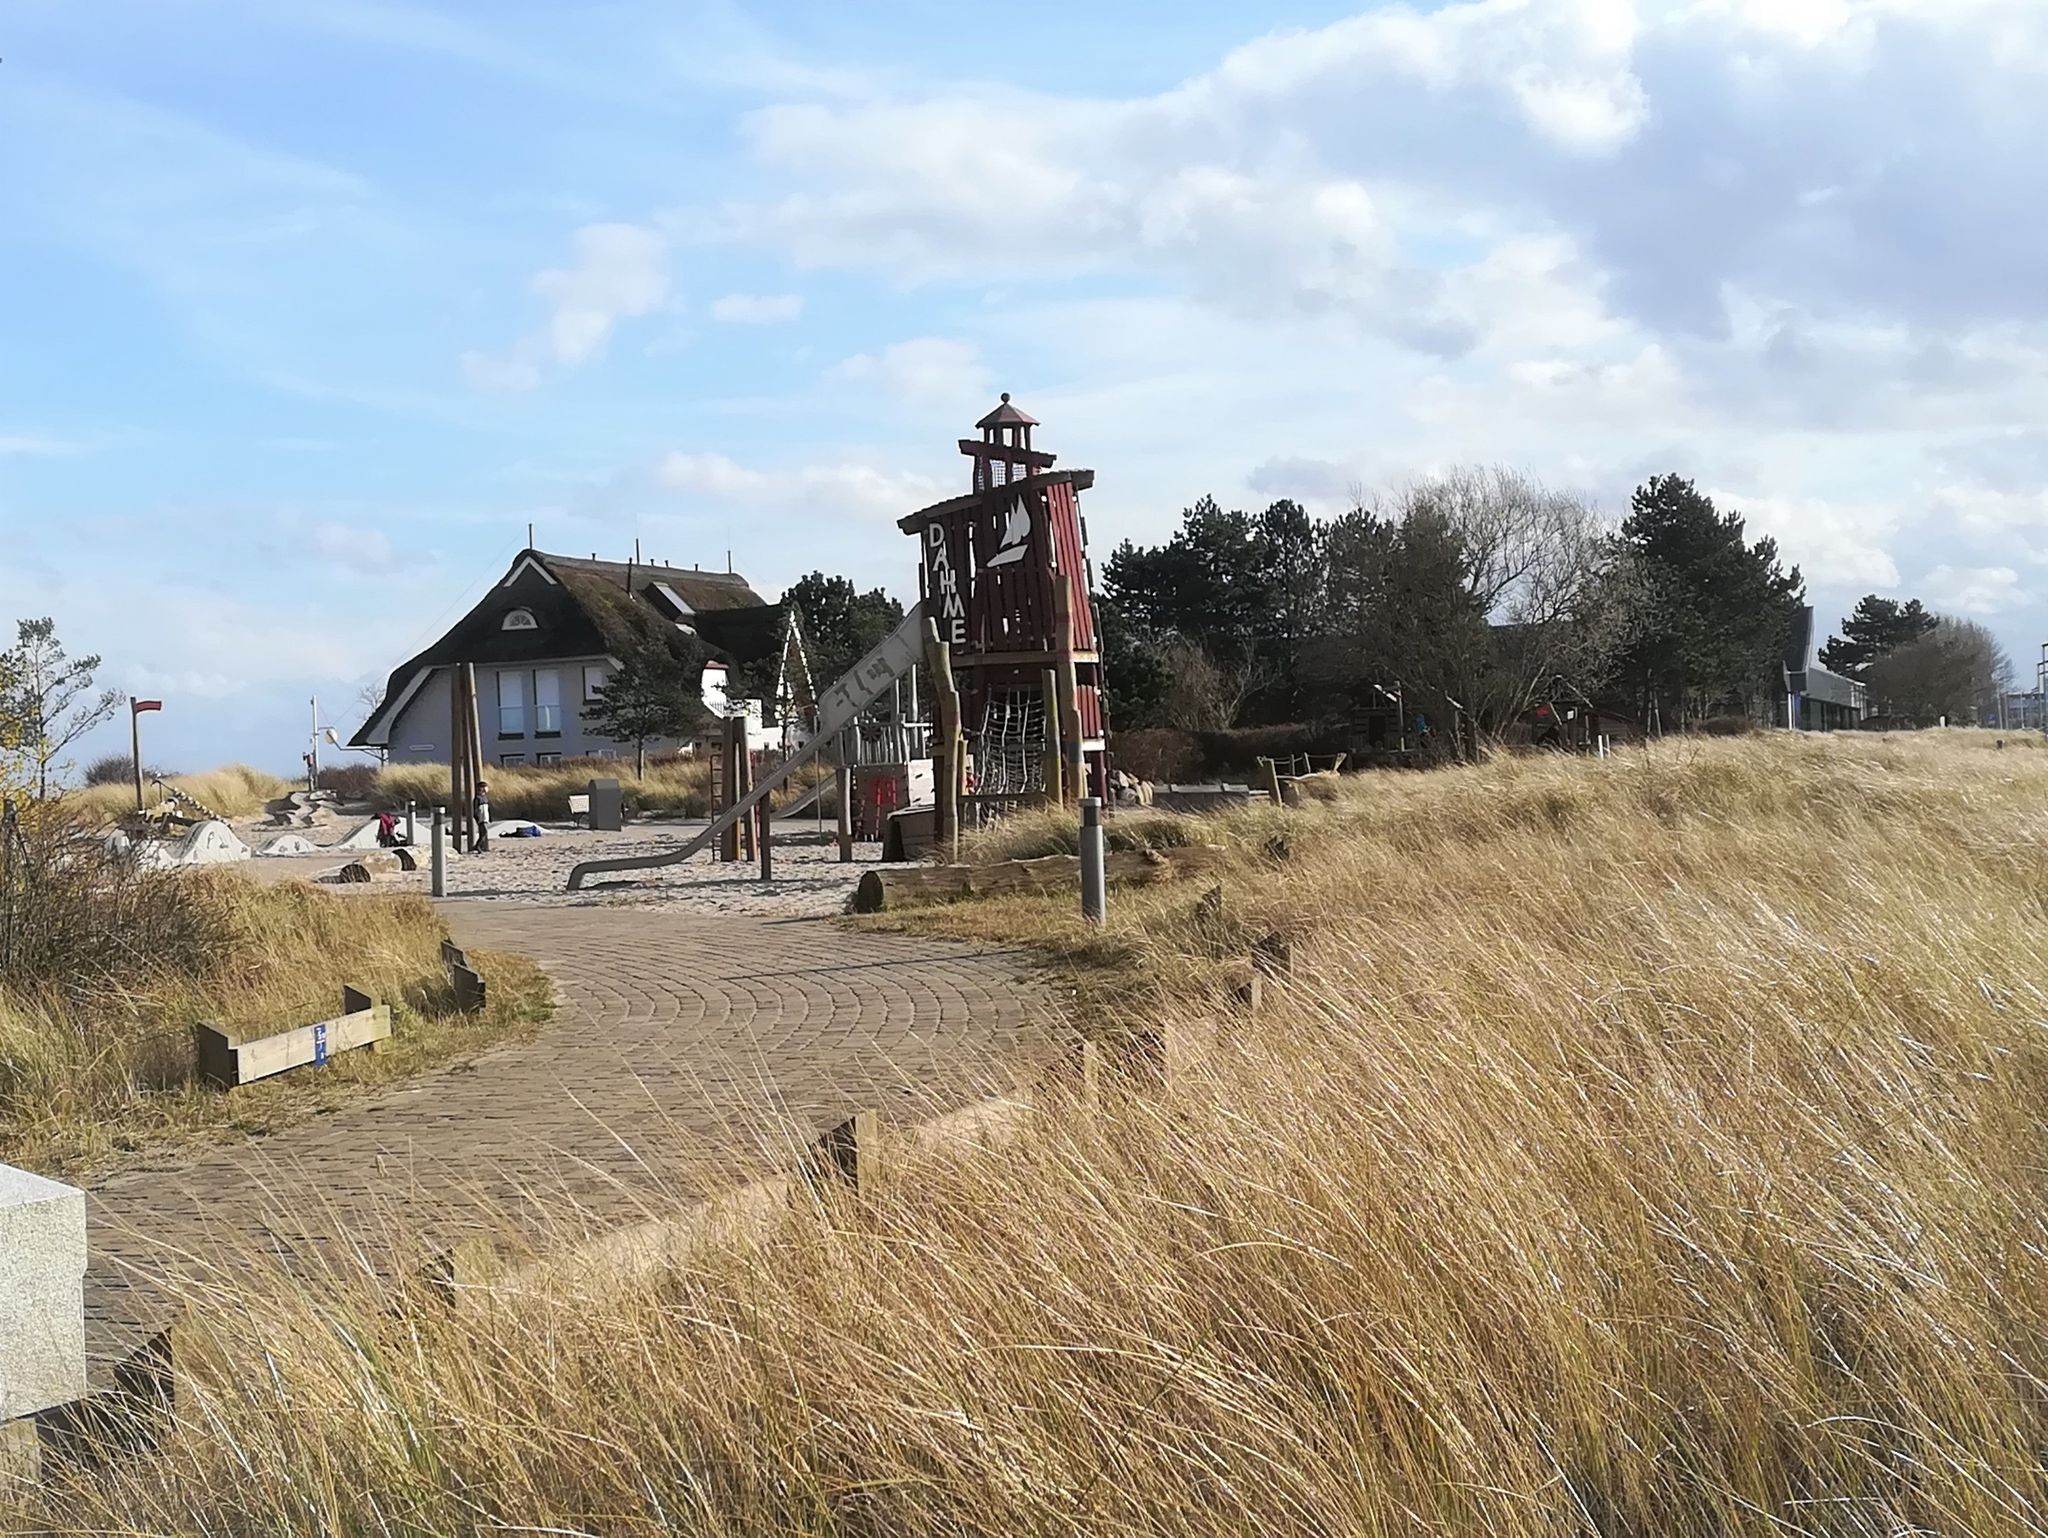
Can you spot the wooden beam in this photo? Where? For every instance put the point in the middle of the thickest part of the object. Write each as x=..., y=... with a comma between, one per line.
x=884, y=890
x=471, y=994
x=227, y=1058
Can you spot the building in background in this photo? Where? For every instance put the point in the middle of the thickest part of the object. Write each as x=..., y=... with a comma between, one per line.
x=545, y=639
x=1809, y=698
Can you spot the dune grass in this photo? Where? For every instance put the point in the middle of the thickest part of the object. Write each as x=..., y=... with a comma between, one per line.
x=673, y=787
x=91, y=1076
x=235, y=790
x=1647, y=1146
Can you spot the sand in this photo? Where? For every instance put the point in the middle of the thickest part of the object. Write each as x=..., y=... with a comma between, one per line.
x=809, y=880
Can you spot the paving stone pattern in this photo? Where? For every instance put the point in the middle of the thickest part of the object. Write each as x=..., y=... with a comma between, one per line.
x=686, y=1049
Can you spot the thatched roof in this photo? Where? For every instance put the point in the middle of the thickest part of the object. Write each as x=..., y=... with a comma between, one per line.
x=590, y=608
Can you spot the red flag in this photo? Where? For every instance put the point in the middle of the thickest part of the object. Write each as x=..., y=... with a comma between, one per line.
x=139, y=706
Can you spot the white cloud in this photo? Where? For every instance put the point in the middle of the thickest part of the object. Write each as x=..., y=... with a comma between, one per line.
x=364, y=549
x=37, y=446
x=1974, y=589
x=812, y=490
x=926, y=371
x=757, y=309
x=620, y=272
x=1836, y=544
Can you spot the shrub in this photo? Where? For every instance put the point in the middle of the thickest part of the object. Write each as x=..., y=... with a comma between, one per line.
x=351, y=781
x=119, y=769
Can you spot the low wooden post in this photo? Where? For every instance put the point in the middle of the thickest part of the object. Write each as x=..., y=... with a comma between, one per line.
x=440, y=875
x=844, y=1154
x=1272, y=769
x=412, y=835
x=767, y=841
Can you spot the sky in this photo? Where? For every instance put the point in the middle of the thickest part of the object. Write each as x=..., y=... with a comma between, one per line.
x=312, y=306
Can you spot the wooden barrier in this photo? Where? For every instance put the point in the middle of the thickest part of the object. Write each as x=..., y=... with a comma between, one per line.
x=228, y=1059
x=470, y=992
x=880, y=890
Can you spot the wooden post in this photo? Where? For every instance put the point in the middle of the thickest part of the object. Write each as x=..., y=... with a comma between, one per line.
x=135, y=747
x=767, y=841
x=1076, y=777
x=846, y=1153
x=842, y=784
x=476, y=751
x=1272, y=779
x=1055, y=760
x=745, y=788
x=458, y=759
x=729, y=841
x=948, y=754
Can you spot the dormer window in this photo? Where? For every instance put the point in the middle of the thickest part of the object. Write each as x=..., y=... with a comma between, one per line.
x=519, y=619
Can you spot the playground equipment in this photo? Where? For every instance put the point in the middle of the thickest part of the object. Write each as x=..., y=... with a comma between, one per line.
x=837, y=708
x=1005, y=628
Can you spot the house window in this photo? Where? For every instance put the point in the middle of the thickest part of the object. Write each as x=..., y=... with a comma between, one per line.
x=511, y=704
x=511, y=760
x=547, y=760
x=519, y=619
x=595, y=677
x=547, y=703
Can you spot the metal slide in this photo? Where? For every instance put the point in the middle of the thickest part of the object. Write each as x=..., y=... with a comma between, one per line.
x=837, y=707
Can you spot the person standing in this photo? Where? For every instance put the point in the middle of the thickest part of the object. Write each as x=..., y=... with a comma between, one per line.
x=480, y=839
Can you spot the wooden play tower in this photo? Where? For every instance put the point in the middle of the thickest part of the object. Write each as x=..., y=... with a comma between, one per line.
x=1003, y=572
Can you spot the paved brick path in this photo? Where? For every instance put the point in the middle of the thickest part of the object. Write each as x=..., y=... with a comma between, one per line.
x=686, y=1048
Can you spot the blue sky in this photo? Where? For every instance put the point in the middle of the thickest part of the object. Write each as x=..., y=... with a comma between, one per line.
x=313, y=307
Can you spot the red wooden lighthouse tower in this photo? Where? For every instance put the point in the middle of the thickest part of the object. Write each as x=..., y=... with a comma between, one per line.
x=1004, y=573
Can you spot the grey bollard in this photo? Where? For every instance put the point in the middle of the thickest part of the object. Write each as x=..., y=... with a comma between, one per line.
x=42, y=1312
x=440, y=877
x=412, y=832
x=1094, y=900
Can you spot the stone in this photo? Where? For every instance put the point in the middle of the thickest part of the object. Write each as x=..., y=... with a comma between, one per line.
x=42, y=1293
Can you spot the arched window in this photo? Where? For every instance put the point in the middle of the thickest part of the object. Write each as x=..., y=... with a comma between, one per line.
x=520, y=619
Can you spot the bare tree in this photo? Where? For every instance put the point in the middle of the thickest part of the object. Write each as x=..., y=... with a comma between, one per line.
x=48, y=702
x=1555, y=585
x=1956, y=672
x=1203, y=694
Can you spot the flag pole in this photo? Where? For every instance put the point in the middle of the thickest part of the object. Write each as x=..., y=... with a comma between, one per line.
x=135, y=747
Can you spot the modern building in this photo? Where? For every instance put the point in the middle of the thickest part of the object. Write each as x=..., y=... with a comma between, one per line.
x=1809, y=698
x=547, y=637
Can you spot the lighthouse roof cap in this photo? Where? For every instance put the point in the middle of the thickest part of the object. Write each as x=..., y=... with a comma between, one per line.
x=1007, y=415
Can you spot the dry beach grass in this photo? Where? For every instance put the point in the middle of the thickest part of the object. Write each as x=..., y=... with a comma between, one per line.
x=1649, y=1146
x=676, y=787
x=90, y=1075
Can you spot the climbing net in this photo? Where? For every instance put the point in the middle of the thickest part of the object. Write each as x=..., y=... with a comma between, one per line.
x=1009, y=750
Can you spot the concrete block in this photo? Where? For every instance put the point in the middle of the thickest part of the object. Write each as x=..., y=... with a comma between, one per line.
x=42, y=1293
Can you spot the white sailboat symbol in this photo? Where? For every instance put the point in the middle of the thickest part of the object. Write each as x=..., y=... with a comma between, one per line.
x=1016, y=535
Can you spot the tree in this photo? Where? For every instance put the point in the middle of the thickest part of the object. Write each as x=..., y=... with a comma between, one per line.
x=1954, y=671
x=841, y=624
x=1559, y=591
x=1717, y=610
x=1203, y=694
x=46, y=701
x=1877, y=628
x=652, y=696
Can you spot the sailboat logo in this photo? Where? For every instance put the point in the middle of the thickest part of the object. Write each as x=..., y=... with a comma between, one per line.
x=1016, y=536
